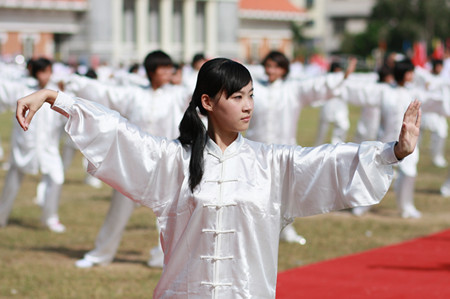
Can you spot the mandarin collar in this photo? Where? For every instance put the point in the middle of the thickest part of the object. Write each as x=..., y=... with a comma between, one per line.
x=213, y=149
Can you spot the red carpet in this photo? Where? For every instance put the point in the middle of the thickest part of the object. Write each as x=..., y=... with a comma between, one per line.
x=418, y=268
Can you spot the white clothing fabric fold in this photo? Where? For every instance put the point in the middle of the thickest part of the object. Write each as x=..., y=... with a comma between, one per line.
x=221, y=241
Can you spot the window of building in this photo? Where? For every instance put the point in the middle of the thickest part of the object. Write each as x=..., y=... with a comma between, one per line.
x=129, y=21
x=339, y=25
x=309, y=4
x=255, y=47
x=153, y=22
x=200, y=25
x=178, y=21
x=28, y=46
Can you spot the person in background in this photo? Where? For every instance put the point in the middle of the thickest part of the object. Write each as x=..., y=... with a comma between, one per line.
x=280, y=101
x=157, y=110
x=335, y=112
x=36, y=150
x=435, y=123
x=190, y=74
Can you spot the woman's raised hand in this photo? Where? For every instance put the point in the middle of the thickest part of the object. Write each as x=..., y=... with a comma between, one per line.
x=410, y=130
x=27, y=106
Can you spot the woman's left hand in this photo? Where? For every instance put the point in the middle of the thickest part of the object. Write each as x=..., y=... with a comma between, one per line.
x=410, y=130
x=29, y=105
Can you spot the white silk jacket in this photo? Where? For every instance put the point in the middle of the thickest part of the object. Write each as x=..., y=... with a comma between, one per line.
x=221, y=241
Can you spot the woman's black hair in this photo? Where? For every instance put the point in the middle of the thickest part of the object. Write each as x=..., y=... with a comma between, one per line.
x=156, y=59
x=39, y=65
x=216, y=76
x=280, y=59
x=401, y=68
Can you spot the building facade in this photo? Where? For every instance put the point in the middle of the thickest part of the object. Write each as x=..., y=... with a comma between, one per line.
x=38, y=28
x=118, y=31
x=330, y=19
x=265, y=25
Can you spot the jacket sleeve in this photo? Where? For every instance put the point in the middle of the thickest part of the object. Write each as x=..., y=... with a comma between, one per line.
x=334, y=177
x=147, y=169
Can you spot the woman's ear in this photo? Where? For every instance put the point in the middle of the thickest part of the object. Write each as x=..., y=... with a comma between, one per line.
x=207, y=102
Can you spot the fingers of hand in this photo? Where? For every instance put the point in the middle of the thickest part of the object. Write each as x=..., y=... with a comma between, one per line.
x=20, y=116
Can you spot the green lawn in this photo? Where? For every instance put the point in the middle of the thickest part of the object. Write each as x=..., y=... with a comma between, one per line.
x=35, y=263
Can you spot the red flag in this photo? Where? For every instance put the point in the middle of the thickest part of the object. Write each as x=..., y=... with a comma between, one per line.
x=419, y=54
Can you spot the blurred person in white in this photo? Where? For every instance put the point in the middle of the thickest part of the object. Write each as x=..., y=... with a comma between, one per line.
x=279, y=103
x=368, y=124
x=190, y=73
x=177, y=75
x=36, y=150
x=157, y=110
x=435, y=123
x=335, y=112
x=221, y=200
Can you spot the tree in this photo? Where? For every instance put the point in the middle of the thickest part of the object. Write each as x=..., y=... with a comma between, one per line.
x=400, y=22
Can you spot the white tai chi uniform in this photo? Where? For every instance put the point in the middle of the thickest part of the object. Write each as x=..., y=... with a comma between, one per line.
x=32, y=151
x=393, y=103
x=158, y=112
x=221, y=241
x=277, y=111
x=369, y=119
x=334, y=111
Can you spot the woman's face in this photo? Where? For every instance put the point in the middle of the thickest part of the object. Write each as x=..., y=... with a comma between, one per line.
x=232, y=114
x=273, y=70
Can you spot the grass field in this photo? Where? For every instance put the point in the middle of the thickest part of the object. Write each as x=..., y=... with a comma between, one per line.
x=35, y=263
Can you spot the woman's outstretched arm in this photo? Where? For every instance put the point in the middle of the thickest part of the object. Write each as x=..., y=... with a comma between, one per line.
x=27, y=106
x=409, y=133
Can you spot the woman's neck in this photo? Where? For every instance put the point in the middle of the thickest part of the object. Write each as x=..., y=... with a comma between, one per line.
x=223, y=140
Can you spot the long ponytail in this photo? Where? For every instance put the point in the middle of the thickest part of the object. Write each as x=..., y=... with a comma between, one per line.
x=193, y=134
x=215, y=76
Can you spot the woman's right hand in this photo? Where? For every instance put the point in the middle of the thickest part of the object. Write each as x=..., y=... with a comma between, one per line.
x=27, y=106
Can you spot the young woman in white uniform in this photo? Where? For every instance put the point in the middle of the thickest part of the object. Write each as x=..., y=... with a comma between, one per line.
x=221, y=199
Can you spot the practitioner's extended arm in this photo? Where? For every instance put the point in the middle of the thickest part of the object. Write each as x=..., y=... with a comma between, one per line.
x=351, y=67
x=27, y=106
x=410, y=130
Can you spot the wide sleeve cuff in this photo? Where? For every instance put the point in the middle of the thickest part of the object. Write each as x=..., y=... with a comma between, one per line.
x=388, y=155
x=63, y=103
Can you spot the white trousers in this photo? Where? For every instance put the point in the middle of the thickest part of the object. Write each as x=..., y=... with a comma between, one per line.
x=110, y=234
x=12, y=183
